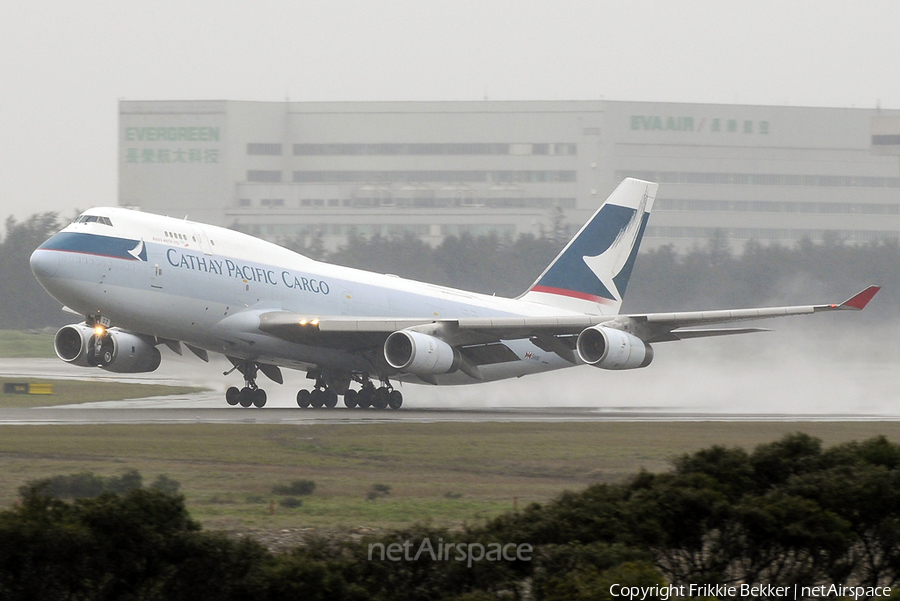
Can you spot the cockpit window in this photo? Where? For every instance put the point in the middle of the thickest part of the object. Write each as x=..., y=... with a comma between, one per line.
x=94, y=219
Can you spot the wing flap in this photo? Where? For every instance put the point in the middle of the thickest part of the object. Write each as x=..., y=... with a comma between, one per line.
x=706, y=333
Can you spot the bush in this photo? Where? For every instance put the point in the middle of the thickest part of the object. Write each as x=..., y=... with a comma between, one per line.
x=297, y=487
x=291, y=502
x=165, y=484
x=87, y=485
x=84, y=485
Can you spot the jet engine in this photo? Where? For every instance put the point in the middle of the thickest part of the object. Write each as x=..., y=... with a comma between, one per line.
x=609, y=348
x=417, y=353
x=120, y=352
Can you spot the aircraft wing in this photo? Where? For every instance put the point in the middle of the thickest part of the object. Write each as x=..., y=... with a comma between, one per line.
x=480, y=338
x=661, y=327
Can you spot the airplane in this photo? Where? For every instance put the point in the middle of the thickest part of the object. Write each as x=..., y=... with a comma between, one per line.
x=143, y=280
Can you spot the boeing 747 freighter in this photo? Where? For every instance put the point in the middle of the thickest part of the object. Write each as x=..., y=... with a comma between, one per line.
x=142, y=280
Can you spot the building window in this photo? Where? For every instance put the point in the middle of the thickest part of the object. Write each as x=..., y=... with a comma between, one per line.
x=889, y=140
x=776, y=206
x=772, y=234
x=263, y=176
x=761, y=179
x=400, y=149
x=565, y=149
x=424, y=177
x=264, y=149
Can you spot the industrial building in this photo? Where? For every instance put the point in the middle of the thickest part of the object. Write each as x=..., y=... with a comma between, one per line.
x=287, y=170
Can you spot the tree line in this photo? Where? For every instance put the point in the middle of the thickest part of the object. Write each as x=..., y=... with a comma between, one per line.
x=706, y=276
x=788, y=512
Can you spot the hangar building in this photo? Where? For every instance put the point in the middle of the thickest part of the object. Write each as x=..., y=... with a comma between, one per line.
x=284, y=170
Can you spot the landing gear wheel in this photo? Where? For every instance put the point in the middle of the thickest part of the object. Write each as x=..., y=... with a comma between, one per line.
x=259, y=398
x=245, y=397
x=380, y=400
x=317, y=398
x=232, y=396
x=395, y=399
x=303, y=399
x=350, y=399
x=364, y=398
x=329, y=398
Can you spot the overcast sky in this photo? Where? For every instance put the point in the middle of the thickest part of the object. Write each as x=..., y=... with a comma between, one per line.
x=64, y=64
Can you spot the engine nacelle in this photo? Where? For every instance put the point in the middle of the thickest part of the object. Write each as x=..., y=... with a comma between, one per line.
x=120, y=352
x=609, y=348
x=71, y=344
x=417, y=353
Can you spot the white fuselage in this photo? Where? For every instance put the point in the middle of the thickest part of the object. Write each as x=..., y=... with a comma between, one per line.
x=205, y=286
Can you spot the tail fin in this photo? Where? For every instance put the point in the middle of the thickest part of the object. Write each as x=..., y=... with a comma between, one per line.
x=592, y=271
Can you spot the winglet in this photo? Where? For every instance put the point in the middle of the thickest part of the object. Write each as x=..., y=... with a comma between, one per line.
x=860, y=300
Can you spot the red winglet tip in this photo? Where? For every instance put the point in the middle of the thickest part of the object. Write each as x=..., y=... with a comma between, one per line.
x=862, y=299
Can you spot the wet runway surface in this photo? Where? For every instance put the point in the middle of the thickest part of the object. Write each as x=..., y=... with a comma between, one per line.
x=80, y=414
x=209, y=406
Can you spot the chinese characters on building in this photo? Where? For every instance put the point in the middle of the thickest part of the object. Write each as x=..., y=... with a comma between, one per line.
x=171, y=155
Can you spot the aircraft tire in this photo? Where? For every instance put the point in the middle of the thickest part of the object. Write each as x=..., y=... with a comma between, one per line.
x=245, y=398
x=232, y=396
x=364, y=398
x=259, y=398
x=395, y=399
x=350, y=399
x=303, y=398
x=329, y=398
x=317, y=398
x=380, y=400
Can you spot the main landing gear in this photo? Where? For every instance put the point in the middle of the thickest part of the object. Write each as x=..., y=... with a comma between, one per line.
x=367, y=396
x=250, y=394
x=323, y=394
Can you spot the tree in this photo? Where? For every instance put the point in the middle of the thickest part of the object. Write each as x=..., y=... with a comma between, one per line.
x=23, y=303
x=142, y=545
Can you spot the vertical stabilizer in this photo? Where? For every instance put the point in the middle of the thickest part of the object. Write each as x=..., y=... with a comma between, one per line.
x=591, y=273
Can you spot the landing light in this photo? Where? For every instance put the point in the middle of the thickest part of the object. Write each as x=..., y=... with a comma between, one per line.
x=302, y=322
x=99, y=330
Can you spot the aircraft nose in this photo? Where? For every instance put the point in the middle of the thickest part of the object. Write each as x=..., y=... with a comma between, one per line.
x=44, y=263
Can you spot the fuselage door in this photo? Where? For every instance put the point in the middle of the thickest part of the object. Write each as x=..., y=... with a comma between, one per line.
x=156, y=277
x=202, y=239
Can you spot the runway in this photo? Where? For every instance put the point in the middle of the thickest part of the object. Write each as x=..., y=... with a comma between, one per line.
x=484, y=403
x=113, y=413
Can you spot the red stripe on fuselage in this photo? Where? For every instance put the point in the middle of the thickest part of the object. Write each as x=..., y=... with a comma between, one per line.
x=574, y=294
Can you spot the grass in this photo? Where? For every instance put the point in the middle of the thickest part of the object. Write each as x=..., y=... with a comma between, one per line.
x=441, y=473
x=26, y=345
x=69, y=392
